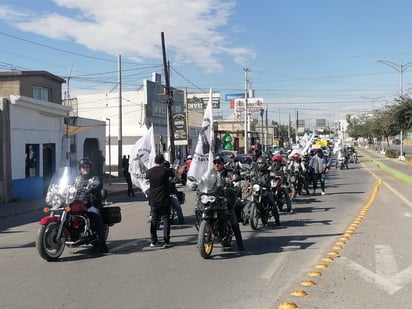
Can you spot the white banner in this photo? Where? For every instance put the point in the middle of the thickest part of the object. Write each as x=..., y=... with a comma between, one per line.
x=141, y=159
x=202, y=159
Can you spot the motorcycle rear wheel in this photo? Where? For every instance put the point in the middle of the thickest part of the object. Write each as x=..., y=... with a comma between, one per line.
x=48, y=247
x=205, y=239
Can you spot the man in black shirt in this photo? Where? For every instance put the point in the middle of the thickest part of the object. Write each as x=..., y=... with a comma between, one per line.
x=159, y=199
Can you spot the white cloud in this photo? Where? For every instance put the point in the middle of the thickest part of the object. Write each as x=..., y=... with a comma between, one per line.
x=132, y=28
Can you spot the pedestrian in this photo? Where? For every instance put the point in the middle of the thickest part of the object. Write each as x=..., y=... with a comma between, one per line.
x=319, y=167
x=159, y=199
x=127, y=176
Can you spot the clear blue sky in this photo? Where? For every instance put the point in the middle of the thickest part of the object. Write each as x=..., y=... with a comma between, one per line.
x=317, y=57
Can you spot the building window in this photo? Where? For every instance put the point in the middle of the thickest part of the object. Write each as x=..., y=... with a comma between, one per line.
x=32, y=160
x=42, y=93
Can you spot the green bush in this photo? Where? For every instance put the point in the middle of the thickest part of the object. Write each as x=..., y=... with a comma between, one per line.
x=391, y=153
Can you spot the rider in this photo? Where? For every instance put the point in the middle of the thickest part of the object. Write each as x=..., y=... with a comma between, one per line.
x=296, y=164
x=262, y=171
x=218, y=166
x=278, y=168
x=92, y=198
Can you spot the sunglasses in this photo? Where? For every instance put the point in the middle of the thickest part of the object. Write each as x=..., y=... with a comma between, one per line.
x=217, y=163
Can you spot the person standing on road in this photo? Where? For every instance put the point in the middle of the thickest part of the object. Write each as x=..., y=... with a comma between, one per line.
x=319, y=167
x=159, y=199
x=127, y=176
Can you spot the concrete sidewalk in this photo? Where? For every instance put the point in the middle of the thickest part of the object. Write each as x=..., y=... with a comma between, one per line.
x=113, y=184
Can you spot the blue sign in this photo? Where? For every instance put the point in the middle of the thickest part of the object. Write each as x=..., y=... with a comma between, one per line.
x=232, y=96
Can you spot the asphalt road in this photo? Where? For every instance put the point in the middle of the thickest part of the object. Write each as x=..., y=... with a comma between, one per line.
x=369, y=269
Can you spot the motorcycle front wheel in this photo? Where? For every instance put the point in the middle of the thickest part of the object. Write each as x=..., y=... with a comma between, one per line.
x=47, y=245
x=205, y=239
x=254, y=216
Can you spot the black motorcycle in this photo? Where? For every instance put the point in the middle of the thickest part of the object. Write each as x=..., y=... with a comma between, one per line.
x=212, y=214
x=259, y=207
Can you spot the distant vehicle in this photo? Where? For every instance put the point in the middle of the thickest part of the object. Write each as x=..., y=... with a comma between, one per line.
x=225, y=154
x=396, y=141
x=245, y=161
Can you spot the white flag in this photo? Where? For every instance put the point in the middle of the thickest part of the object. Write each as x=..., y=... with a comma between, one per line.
x=338, y=146
x=308, y=144
x=141, y=159
x=202, y=159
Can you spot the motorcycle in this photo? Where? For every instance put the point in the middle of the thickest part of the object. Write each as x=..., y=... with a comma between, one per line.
x=259, y=207
x=281, y=190
x=68, y=222
x=341, y=161
x=297, y=182
x=212, y=214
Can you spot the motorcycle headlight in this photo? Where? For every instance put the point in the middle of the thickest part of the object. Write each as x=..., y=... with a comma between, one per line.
x=256, y=187
x=204, y=199
x=57, y=201
x=292, y=178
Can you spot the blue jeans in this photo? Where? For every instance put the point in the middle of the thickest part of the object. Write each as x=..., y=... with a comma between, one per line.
x=160, y=214
x=321, y=177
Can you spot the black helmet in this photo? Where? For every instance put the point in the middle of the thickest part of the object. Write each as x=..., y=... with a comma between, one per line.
x=166, y=163
x=262, y=162
x=218, y=159
x=85, y=162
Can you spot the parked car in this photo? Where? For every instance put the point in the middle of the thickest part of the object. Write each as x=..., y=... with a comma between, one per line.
x=396, y=141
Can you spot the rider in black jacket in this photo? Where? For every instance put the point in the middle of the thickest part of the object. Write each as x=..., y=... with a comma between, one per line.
x=218, y=166
x=262, y=171
x=92, y=198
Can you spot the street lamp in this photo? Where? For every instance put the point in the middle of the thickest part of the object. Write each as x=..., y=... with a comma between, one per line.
x=110, y=155
x=398, y=67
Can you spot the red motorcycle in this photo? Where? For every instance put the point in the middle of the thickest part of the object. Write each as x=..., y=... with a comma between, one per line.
x=68, y=222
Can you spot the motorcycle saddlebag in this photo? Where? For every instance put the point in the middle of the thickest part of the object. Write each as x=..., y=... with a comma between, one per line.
x=111, y=215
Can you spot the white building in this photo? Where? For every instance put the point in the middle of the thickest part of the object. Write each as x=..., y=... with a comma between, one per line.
x=139, y=110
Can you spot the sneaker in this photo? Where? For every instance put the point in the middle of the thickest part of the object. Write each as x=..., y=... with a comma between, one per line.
x=323, y=193
x=153, y=244
x=167, y=245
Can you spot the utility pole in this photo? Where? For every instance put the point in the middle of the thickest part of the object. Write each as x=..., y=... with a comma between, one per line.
x=262, y=111
x=297, y=127
x=169, y=96
x=120, y=137
x=246, y=70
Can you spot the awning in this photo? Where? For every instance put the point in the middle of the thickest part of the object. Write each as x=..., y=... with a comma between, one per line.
x=72, y=130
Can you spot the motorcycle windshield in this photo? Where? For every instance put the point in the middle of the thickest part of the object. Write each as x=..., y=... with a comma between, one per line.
x=61, y=184
x=209, y=182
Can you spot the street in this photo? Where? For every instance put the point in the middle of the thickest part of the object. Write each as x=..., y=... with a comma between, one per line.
x=371, y=268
